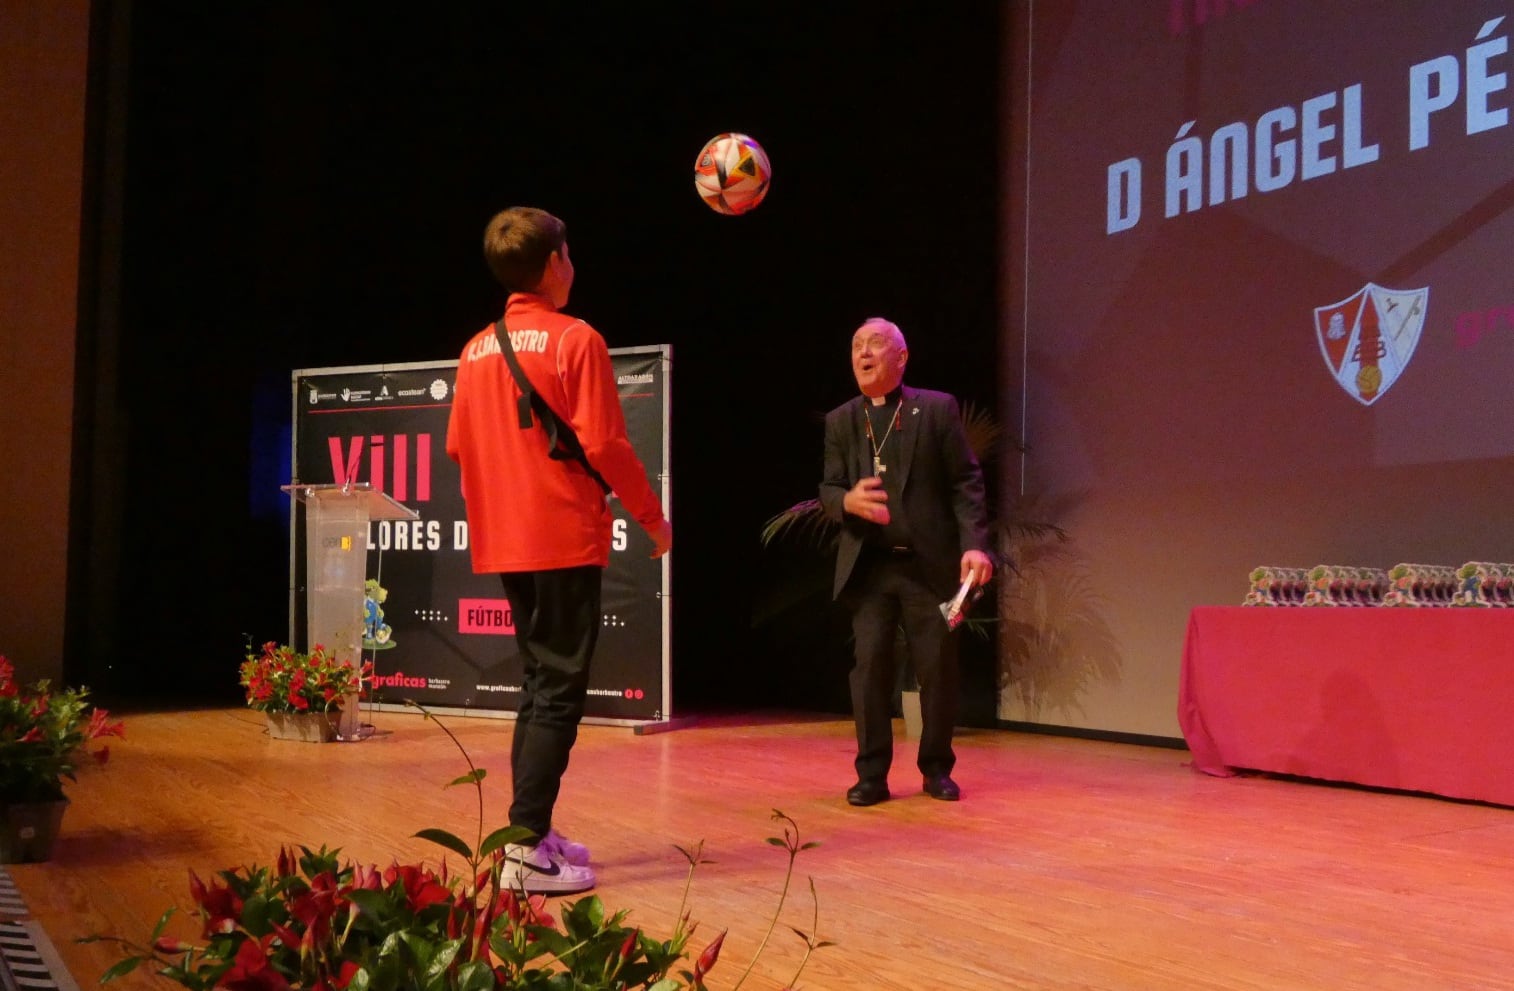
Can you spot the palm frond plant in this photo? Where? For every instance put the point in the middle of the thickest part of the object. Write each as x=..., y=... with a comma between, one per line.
x=793, y=609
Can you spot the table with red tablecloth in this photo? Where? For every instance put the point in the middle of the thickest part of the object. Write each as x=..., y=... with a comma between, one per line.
x=1414, y=699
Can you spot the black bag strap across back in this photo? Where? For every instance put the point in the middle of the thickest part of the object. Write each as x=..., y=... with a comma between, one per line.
x=562, y=443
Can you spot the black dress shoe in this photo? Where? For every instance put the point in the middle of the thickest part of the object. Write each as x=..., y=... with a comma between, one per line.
x=868, y=791
x=943, y=787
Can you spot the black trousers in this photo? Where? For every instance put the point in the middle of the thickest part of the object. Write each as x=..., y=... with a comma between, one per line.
x=888, y=591
x=557, y=619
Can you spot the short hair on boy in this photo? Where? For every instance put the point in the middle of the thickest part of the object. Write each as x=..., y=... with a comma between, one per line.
x=517, y=244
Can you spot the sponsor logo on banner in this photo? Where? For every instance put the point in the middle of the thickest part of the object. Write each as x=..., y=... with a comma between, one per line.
x=439, y=632
x=400, y=679
x=1368, y=338
x=619, y=693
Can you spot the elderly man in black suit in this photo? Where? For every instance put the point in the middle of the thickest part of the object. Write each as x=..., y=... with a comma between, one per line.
x=908, y=492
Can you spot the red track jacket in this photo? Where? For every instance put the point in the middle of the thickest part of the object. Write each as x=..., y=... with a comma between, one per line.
x=527, y=512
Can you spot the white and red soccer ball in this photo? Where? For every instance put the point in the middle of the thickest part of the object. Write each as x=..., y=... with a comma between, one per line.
x=732, y=173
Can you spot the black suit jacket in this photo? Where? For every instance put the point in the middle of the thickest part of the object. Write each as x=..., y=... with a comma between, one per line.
x=942, y=485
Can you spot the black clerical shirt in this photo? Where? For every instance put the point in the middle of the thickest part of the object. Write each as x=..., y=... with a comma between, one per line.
x=887, y=420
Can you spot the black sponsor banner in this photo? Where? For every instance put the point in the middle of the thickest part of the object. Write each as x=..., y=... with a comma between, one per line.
x=436, y=632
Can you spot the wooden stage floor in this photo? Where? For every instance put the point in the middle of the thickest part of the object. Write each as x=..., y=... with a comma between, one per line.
x=1069, y=864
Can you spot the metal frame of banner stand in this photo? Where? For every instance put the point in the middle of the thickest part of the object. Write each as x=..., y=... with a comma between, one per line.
x=641, y=727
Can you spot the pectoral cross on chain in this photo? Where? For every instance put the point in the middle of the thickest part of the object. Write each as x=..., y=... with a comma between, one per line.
x=877, y=445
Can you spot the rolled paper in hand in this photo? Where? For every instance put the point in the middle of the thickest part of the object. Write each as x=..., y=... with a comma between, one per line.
x=951, y=610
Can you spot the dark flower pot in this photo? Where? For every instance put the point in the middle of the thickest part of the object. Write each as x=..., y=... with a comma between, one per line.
x=28, y=830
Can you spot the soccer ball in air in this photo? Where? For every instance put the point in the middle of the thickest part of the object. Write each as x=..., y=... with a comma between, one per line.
x=732, y=173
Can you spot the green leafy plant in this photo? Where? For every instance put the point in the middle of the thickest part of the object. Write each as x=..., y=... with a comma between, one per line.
x=311, y=921
x=811, y=536
x=805, y=523
x=792, y=609
x=282, y=679
x=43, y=733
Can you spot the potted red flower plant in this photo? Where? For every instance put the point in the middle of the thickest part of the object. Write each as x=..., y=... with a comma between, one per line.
x=301, y=693
x=43, y=733
x=313, y=922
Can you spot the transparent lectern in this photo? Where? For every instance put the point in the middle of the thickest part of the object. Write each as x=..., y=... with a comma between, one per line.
x=336, y=566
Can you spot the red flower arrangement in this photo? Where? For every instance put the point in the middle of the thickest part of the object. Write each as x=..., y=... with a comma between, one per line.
x=281, y=679
x=42, y=735
x=311, y=922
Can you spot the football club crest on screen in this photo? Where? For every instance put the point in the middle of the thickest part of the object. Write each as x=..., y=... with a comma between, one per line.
x=1368, y=338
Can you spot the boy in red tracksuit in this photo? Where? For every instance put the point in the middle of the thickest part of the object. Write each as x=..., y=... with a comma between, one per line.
x=544, y=524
